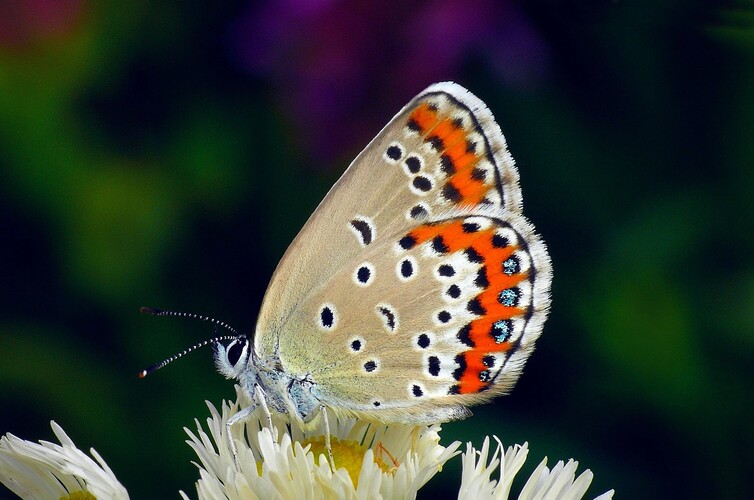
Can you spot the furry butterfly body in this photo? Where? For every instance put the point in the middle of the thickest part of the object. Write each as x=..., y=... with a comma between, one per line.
x=415, y=290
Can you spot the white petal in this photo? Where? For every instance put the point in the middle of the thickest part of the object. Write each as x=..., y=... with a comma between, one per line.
x=48, y=469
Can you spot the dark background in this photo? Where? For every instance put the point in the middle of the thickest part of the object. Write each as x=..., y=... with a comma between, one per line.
x=166, y=153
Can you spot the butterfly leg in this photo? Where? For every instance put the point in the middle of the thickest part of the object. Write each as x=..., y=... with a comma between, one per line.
x=238, y=417
x=328, y=446
x=259, y=395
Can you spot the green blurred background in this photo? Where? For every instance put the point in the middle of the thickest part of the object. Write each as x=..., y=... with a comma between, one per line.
x=166, y=153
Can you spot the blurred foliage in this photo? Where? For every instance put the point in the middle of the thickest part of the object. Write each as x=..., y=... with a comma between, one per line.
x=165, y=154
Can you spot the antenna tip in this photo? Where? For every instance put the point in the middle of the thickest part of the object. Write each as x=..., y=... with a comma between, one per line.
x=143, y=373
x=149, y=310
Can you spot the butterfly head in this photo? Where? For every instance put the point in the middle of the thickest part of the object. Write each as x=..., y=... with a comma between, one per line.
x=232, y=359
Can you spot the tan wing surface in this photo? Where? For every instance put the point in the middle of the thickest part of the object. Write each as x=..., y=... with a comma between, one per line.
x=416, y=283
x=442, y=150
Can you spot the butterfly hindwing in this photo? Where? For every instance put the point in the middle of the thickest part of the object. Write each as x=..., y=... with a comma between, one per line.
x=438, y=316
x=364, y=300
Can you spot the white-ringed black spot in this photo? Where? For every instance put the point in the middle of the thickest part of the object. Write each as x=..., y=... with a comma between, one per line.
x=406, y=269
x=460, y=360
x=356, y=345
x=394, y=152
x=363, y=229
x=475, y=306
x=444, y=316
x=451, y=193
x=439, y=246
x=327, y=317
x=364, y=274
x=485, y=376
x=454, y=389
x=436, y=142
x=464, y=337
x=446, y=270
x=376, y=404
x=423, y=341
x=422, y=183
x=413, y=164
x=447, y=165
x=434, y=366
x=470, y=146
x=478, y=174
x=370, y=366
x=454, y=291
x=417, y=391
x=457, y=122
x=499, y=241
x=389, y=317
x=418, y=212
x=407, y=242
x=481, y=279
x=488, y=361
x=470, y=227
x=473, y=255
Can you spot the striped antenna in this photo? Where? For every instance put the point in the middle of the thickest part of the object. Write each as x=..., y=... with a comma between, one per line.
x=158, y=312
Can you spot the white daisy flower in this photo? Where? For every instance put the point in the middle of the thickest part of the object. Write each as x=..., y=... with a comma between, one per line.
x=544, y=484
x=288, y=461
x=49, y=470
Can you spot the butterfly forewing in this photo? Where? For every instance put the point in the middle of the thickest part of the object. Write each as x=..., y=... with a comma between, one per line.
x=416, y=284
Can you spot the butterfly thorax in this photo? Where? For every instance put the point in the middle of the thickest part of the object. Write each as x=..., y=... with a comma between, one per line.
x=283, y=391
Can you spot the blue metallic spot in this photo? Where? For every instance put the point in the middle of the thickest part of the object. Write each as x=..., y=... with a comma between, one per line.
x=485, y=376
x=508, y=297
x=511, y=266
x=501, y=330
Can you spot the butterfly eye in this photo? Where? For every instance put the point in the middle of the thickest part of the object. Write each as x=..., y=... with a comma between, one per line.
x=235, y=349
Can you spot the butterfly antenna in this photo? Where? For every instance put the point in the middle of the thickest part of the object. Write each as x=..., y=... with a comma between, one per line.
x=172, y=358
x=158, y=312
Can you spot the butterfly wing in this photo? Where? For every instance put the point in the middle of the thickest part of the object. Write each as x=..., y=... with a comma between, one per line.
x=416, y=287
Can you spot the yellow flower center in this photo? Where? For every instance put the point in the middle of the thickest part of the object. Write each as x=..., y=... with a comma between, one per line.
x=78, y=495
x=347, y=454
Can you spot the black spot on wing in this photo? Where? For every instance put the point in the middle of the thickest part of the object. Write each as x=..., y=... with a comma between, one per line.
x=434, y=366
x=439, y=246
x=407, y=242
x=461, y=362
x=418, y=211
x=463, y=335
x=413, y=164
x=389, y=316
x=363, y=229
x=451, y=193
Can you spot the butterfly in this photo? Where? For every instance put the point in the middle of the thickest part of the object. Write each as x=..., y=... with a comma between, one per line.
x=416, y=288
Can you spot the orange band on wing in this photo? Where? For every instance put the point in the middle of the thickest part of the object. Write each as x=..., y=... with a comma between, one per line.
x=480, y=334
x=458, y=155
